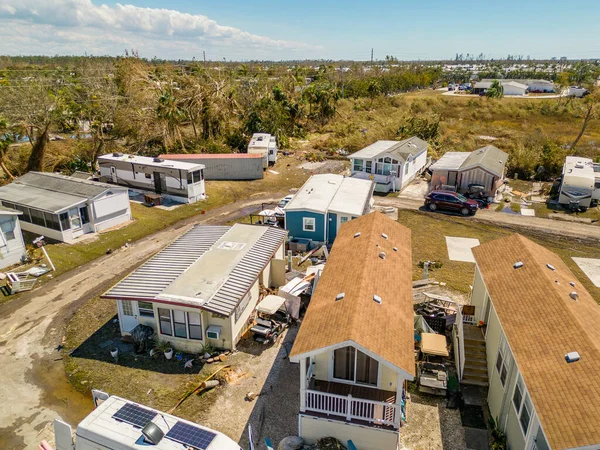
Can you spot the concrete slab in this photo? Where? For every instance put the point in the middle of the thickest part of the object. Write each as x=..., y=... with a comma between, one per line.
x=591, y=267
x=459, y=249
x=472, y=395
x=416, y=190
x=527, y=212
x=476, y=439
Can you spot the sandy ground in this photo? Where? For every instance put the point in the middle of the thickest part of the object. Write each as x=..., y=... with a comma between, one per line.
x=579, y=230
x=31, y=327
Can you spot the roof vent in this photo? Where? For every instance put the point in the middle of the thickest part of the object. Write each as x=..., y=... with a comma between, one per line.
x=556, y=281
x=572, y=283
x=158, y=160
x=332, y=182
x=574, y=295
x=383, y=235
x=571, y=357
x=518, y=265
x=377, y=299
x=357, y=234
x=340, y=296
x=550, y=266
x=395, y=249
x=382, y=255
x=117, y=154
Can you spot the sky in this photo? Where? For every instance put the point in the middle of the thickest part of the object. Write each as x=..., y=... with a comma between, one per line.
x=242, y=30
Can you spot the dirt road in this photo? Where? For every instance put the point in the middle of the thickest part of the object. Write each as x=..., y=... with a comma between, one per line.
x=516, y=222
x=34, y=390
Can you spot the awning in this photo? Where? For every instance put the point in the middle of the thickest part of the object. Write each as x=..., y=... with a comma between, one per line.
x=270, y=304
x=434, y=344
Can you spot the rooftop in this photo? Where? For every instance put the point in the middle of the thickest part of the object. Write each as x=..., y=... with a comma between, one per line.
x=401, y=149
x=52, y=192
x=259, y=140
x=200, y=156
x=578, y=166
x=489, y=157
x=210, y=267
x=450, y=161
x=149, y=161
x=542, y=323
x=357, y=269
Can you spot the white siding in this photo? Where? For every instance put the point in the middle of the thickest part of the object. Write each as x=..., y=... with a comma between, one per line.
x=12, y=250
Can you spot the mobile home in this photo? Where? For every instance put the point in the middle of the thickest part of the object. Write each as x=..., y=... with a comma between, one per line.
x=178, y=181
x=580, y=185
x=12, y=247
x=203, y=288
x=266, y=145
x=120, y=424
x=224, y=166
x=65, y=208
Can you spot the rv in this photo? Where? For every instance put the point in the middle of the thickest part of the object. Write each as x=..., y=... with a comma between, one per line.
x=119, y=424
x=577, y=91
x=178, y=181
x=580, y=185
x=265, y=145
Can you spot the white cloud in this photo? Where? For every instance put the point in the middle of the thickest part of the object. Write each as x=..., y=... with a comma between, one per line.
x=78, y=26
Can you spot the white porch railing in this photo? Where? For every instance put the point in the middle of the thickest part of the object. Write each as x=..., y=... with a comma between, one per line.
x=375, y=177
x=375, y=412
x=468, y=319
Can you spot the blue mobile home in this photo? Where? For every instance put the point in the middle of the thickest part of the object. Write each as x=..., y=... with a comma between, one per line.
x=324, y=203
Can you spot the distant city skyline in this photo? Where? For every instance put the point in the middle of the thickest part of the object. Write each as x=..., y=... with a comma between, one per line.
x=272, y=30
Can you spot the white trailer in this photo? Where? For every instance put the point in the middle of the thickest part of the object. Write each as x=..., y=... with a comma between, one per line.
x=580, y=185
x=576, y=91
x=119, y=424
x=265, y=145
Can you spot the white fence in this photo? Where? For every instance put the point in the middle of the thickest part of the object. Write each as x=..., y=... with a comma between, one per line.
x=353, y=408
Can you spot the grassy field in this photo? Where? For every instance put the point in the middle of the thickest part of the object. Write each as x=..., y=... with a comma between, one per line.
x=429, y=243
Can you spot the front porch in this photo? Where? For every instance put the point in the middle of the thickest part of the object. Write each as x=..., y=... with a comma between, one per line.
x=352, y=403
x=383, y=183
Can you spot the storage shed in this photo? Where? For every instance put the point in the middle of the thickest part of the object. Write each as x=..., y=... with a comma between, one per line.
x=178, y=181
x=224, y=166
x=64, y=208
x=484, y=166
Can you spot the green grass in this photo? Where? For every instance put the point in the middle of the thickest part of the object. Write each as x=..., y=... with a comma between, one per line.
x=429, y=243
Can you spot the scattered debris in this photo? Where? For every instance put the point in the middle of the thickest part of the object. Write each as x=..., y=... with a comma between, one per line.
x=251, y=396
x=201, y=387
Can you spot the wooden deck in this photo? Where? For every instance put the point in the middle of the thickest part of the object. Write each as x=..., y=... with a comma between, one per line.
x=363, y=392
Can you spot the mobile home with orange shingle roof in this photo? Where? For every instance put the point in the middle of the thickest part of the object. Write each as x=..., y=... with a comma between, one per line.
x=355, y=346
x=542, y=346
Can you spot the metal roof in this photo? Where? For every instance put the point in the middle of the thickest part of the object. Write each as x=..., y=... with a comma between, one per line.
x=210, y=267
x=148, y=161
x=450, y=161
x=203, y=156
x=325, y=192
x=401, y=149
x=64, y=184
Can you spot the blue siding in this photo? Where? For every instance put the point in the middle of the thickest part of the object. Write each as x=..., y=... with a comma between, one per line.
x=293, y=223
x=331, y=227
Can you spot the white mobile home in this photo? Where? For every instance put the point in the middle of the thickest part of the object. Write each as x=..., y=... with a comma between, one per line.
x=117, y=424
x=391, y=164
x=12, y=247
x=542, y=346
x=64, y=208
x=203, y=288
x=356, y=343
x=266, y=145
x=178, y=181
x=580, y=185
x=224, y=166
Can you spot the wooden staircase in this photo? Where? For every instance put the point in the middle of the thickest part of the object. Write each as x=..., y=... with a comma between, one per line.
x=475, y=372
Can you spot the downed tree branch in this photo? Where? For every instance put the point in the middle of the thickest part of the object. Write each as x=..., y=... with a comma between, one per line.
x=197, y=389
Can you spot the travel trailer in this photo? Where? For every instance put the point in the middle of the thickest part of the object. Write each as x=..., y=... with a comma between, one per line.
x=119, y=424
x=580, y=186
x=266, y=145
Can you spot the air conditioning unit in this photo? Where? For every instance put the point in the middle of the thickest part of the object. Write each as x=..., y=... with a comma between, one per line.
x=213, y=332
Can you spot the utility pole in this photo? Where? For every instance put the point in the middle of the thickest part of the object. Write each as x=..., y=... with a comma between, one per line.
x=204, y=56
x=371, y=56
x=342, y=75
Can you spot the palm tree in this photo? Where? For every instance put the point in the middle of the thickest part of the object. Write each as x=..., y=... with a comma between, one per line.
x=496, y=90
x=172, y=115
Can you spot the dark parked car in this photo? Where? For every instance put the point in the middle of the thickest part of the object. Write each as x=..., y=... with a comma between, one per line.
x=451, y=201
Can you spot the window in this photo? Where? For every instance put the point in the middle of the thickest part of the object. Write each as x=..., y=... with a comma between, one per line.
x=406, y=169
x=8, y=229
x=52, y=221
x=194, y=326
x=65, y=222
x=518, y=395
x=37, y=218
x=308, y=223
x=166, y=326
x=127, y=307
x=525, y=417
x=194, y=177
x=179, y=324
x=502, y=360
x=343, y=219
x=75, y=219
x=353, y=365
x=358, y=165
x=25, y=217
x=146, y=309
x=147, y=175
x=369, y=166
x=84, y=214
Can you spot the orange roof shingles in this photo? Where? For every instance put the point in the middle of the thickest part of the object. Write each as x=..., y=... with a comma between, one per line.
x=542, y=323
x=355, y=268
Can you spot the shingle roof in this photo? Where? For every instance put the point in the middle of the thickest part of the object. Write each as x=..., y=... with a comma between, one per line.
x=195, y=264
x=355, y=268
x=401, y=149
x=542, y=323
x=489, y=157
x=64, y=184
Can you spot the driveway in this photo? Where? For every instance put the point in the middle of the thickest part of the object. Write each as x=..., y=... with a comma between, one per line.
x=573, y=229
x=34, y=390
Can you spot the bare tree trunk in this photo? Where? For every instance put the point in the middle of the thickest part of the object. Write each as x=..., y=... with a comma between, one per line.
x=180, y=139
x=3, y=166
x=38, y=152
x=587, y=119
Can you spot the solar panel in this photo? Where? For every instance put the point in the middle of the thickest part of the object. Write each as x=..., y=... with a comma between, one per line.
x=190, y=435
x=134, y=415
